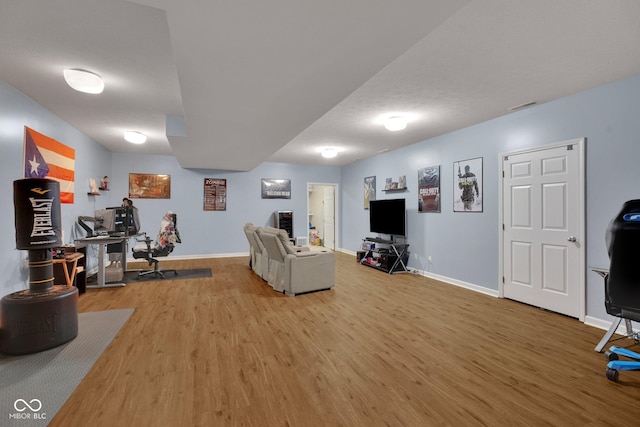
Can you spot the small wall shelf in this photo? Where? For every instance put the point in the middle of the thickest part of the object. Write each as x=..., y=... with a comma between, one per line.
x=399, y=185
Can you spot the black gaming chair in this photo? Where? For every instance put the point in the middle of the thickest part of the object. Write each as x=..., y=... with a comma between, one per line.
x=168, y=237
x=622, y=284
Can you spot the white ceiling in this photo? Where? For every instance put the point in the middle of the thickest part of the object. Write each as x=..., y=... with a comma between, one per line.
x=229, y=84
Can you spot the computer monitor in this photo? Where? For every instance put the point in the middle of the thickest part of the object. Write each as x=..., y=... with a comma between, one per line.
x=104, y=221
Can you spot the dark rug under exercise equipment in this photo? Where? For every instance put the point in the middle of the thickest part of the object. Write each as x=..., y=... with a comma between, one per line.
x=197, y=273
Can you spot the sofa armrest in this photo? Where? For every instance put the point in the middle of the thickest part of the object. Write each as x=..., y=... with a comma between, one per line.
x=310, y=271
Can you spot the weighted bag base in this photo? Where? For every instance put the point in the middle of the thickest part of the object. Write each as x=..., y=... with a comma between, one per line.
x=36, y=321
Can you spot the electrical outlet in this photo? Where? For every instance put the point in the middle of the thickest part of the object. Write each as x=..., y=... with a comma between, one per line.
x=429, y=258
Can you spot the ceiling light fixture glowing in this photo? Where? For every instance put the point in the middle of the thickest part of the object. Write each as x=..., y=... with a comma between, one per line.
x=83, y=80
x=395, y=123
x=135, y=137
x=329, y=153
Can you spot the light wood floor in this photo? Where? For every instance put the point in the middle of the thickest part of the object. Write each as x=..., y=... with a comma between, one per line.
x=397, y=350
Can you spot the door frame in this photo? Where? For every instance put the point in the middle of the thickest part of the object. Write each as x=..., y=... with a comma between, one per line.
x=336, y=209
x=581, y=226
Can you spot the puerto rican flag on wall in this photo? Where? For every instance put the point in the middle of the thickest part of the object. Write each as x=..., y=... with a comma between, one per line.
x=46, y=157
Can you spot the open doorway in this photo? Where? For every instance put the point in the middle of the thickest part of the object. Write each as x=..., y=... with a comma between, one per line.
x=322, y=209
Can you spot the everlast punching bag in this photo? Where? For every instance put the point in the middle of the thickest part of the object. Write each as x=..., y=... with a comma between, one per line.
x=45, y=315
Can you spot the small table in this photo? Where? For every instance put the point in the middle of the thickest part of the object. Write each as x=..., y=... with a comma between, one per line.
x=69, y=260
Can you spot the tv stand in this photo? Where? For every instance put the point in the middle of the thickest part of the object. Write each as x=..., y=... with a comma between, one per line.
x=391, y=260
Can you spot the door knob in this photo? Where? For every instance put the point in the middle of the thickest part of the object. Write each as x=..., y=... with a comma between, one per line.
x=571, y=238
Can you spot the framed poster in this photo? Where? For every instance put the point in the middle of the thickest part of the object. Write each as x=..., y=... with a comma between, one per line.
x=276, y=188
x=429, y=189
x=467, y=185
x=215, y=194
x=369, y=190
x=149, y=186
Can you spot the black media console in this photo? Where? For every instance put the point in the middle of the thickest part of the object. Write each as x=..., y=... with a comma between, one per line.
x=385, y=255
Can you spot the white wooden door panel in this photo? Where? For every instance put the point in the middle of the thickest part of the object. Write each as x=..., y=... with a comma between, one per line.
x=541, y=214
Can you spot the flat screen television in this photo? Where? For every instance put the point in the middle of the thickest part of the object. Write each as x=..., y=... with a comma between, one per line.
x=387, y=217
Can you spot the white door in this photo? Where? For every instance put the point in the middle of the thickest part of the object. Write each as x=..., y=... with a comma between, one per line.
x=329, y=220
x=543, y=241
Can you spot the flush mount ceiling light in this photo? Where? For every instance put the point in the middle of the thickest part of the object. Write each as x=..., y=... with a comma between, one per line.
x=135, y=137
x=83, y=80
x=395, y=123
x=329, y=153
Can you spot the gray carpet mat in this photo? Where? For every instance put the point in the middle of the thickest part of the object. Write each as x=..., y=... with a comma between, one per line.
x=34, y=387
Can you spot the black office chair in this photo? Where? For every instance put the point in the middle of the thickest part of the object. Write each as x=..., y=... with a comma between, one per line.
x=622, y=284
x=168, y=237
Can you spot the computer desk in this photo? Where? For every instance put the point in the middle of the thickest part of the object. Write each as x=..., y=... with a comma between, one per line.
x=102, y=242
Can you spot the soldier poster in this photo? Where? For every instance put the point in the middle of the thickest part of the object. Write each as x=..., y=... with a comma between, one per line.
x=467, y=185
x=429, y=189
x=215, y=194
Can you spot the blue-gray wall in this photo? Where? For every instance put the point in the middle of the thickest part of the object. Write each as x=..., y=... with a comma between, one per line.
x=217, y=232
x=464, y=246
x=92, y=160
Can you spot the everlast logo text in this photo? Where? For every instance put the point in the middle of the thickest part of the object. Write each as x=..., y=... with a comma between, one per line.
x=40, y=325
x=42, y=225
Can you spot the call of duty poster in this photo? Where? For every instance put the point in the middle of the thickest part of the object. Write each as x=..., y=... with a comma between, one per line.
x=429, y=189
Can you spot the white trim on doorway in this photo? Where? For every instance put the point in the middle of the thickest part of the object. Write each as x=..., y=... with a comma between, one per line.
x=336, y=189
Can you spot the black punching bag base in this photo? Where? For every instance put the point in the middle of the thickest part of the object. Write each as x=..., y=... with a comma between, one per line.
x=35, y=321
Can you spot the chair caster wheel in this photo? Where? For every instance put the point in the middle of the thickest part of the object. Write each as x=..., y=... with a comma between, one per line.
x=613, y=374
x=610, y=355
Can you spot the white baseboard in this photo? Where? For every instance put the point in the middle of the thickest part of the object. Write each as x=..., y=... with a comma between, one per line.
x=456, y=282
x=606, y=324
x=599, y=323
